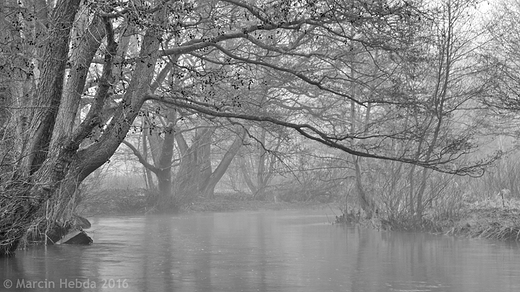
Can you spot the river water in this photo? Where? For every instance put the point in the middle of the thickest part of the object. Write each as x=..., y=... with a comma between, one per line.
x=261, y=251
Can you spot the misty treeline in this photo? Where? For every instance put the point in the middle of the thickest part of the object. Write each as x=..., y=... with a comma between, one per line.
x=393, y=104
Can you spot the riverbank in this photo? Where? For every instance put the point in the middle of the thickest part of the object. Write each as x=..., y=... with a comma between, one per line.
x=235, y=202
x=124, y=202
x=488, y=219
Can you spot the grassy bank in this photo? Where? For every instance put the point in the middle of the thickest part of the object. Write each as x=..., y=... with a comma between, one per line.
x=136, y=201
x=489, y=219
x=228, y=203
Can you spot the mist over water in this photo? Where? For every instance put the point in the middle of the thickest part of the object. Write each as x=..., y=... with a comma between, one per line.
x=262, y=251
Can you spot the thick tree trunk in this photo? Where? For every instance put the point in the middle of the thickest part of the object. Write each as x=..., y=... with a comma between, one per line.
x=162, y=154
x=45, y=168
x=164, y=182
x=49, y=92
x=27, y=199
x=195, y=166
x=164, y=175
x=14, y=81
x=42, y=169
x=161, y=166
x=84, y=49
x=92, y=157
x=208, y=189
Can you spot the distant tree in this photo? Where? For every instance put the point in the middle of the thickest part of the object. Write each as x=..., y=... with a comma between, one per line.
x=436, y=99
x=259, y=163
x=184, y=168
x=161, y=140
x=500, y=59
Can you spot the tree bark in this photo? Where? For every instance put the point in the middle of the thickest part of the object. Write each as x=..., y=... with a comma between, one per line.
x=49, y=91
x=15, y=81
x=87, y=42
x=42, y=166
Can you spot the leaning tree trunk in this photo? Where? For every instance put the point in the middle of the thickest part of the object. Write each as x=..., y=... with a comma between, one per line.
x=89, y=159
x=208, y=187
x=42, y=169
x=45, y=168
x=82, y=54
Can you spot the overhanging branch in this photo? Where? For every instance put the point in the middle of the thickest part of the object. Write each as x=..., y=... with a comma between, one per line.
x=141, y=158
x=315, y=134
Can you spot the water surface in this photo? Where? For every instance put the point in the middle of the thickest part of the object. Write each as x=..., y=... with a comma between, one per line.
x=261, y=251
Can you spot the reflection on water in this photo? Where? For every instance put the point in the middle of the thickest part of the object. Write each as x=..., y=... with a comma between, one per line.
x=262, y=251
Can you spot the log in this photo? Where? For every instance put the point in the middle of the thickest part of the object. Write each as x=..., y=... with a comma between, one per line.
x=76, y=237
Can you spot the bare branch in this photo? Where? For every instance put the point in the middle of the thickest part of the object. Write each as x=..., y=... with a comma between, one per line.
x=314, y=134
x=141, y=158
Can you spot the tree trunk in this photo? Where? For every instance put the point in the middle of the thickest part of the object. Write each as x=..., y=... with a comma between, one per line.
x=195, y=166
x=366, y=202
x=44, y=168
x=260, y=171
x=49, y=92
x=257, y=181
x=14, y=79
x=164, y=175
x=247, y=176
x=84, y=49
x=147, y=172
x=164, y=182
x=208, y=189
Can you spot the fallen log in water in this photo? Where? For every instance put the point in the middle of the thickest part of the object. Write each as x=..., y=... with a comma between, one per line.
x=75, y=237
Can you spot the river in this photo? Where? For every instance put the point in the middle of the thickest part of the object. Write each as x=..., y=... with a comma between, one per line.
x=261, y=251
